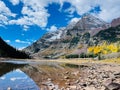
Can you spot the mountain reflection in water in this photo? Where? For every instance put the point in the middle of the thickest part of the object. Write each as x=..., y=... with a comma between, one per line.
x=11, y=76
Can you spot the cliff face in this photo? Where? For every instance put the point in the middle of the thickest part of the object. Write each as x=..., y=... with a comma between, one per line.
x=74, y=39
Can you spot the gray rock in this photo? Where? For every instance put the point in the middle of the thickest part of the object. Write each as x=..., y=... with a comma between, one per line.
x=73, y=87
x=66, y=77
x=49, y=79
x=105, y=76
x=117, y=75
x=113, y=86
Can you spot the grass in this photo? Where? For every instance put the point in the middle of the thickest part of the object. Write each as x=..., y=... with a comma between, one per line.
x=114, y=60
x=81, y=61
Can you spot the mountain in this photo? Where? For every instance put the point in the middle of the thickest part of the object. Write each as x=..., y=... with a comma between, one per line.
x=89, y=22
x=110, y=35
x=115, y=22
x=10, y=52
x=73, y=39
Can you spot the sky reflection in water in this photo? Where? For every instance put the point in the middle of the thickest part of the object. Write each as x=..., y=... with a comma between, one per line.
x=17, y=80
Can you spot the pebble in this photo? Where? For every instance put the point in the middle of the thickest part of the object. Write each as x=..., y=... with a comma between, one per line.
x=92, y=79
x=66, y=77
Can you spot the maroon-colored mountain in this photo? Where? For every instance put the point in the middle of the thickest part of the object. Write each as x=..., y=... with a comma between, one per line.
x=115, y=22
x=72, y=39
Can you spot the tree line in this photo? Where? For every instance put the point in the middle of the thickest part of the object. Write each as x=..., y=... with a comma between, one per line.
x=9, y=51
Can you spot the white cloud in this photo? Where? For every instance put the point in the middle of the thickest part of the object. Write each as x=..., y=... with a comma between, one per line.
x=34, y=12
x=17, y=40
x=25, y=28
x=15, y=2
x=21, y=48
x=4, y=10
x=3, y=20
x=74, y=20
x=8, y=41
x=24, y=42
x=18, y=78
x=5, y=14
x=83, y=6
x=3, y=78
x=13, y=79
x=52, y=28
x=109, y=8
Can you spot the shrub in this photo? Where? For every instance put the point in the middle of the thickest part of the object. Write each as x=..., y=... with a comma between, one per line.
x=72, y=56
x=75, y=40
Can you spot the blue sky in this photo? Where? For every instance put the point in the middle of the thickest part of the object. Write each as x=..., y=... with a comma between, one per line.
x=24, y=21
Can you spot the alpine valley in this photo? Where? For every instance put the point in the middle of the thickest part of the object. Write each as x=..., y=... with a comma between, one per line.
x=76, y=38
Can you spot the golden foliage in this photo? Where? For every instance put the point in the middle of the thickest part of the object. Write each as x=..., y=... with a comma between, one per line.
x=104, y=48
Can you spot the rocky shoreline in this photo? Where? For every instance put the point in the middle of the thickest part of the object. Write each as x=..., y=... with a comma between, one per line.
x=88, y=76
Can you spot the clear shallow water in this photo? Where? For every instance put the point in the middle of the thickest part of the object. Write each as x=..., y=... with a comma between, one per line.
x=11, y=76
x=18, y=62
x=17, y=80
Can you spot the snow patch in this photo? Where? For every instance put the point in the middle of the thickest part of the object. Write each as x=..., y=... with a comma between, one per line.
x=56, y=35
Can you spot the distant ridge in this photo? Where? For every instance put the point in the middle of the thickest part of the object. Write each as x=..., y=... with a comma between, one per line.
x=75, y=38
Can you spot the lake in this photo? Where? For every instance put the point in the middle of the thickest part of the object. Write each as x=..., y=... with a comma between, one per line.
x=12, y=77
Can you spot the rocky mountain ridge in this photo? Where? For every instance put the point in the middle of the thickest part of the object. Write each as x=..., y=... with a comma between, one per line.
x=74, y=39
x=115, y=22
